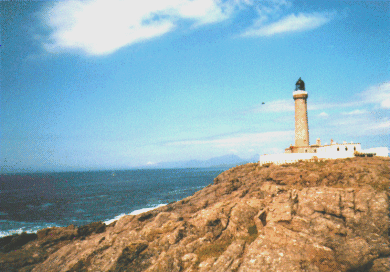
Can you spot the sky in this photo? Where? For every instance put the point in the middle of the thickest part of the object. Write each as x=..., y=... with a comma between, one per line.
x=93, y=85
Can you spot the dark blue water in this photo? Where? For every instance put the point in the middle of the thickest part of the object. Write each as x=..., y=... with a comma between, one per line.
x=29, y=202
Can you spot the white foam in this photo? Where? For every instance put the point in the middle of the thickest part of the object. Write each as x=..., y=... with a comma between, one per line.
x=108, y=222
x=33, y=229
x=11, y=232
x=133, y=213
x=146, y=209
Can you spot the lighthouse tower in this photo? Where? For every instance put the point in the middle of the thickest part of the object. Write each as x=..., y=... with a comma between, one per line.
x=301, y=123
x=302, y=150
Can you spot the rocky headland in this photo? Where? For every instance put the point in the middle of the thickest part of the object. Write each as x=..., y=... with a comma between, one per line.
x=319, y=216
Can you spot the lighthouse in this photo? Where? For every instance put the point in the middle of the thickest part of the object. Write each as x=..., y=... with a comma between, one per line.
x=303, y=151
x=301, y=122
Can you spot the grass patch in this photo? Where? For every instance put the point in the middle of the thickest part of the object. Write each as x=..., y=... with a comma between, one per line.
x=218, y=247
x=214, y=249
x=252, y=230
x=379, y=186
x=252, y=234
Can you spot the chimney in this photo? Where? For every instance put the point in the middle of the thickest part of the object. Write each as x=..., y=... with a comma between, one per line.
x=318, y=142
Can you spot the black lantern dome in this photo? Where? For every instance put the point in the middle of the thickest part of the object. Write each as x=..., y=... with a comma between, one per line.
x=300, y=85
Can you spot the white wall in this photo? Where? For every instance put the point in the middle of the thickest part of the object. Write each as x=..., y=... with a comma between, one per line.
x=285, y=158
x=333, y=148
x=325, y=154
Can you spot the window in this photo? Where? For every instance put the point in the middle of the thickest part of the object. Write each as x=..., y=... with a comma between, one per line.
x=305, y=150
x=346, y=148
x=354, y=148
x=315, y=150
x=338, y=149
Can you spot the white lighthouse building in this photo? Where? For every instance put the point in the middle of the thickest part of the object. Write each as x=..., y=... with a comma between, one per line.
x=302, y=150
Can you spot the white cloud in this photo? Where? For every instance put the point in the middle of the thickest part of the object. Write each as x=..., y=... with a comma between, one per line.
x=290, y=23
x=102, y=27
x=366, y=115
x=385, y=104
x=378, y=94
x=323, y=115
x=252, y=139
x=282, y=105
x=359, y=124
x=321, y=106
x=355, y=112
x=273, y=150
x=385, y=124
x=99, y=27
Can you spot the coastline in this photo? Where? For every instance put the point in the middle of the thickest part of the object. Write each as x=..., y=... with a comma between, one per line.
x=317, y=216
x=35, y=229
x=64, y=199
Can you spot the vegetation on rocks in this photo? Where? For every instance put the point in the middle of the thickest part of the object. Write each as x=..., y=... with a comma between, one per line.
x=318, y=216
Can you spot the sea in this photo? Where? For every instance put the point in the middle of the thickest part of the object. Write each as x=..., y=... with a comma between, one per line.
x=33, y=201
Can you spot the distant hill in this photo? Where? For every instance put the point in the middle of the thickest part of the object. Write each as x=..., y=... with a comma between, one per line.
x=222, y=161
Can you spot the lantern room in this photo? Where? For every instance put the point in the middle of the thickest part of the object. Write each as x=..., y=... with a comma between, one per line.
x=300, y=85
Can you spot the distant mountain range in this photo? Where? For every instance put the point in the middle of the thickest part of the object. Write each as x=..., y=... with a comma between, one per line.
x=222, y=161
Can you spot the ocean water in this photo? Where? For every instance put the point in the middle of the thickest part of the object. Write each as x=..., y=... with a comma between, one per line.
x=29, y=202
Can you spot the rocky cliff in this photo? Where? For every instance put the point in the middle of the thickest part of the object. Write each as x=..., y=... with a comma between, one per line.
x=325, y=216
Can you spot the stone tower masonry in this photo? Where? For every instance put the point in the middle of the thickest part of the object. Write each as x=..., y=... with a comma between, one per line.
x=301, y=123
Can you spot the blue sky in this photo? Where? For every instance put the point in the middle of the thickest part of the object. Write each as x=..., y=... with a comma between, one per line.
x=121, y=84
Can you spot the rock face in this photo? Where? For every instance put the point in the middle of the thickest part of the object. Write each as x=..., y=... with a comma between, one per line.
x=325, y=216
